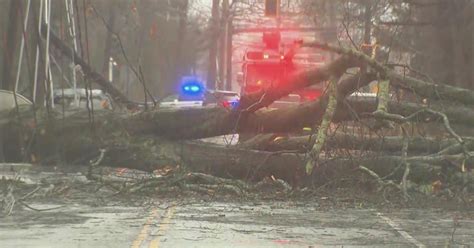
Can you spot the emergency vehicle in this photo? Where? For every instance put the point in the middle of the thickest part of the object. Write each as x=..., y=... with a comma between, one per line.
x=271, y=66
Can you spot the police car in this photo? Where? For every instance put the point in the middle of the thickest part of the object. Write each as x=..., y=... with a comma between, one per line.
x=193, y=94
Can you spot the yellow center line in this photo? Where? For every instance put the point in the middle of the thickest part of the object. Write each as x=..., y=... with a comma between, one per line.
x=155, y=243
x=144, y=232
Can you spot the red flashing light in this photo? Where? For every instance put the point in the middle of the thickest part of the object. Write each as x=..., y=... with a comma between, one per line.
x=229, y=104
x=311, y=95
x=226, y=104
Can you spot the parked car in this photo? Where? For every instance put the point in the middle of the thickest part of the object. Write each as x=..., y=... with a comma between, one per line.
x=65, y=97
x=7, y=100
x=226, y=99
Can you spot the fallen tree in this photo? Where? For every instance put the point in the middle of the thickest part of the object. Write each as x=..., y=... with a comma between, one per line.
x=129, y=143
x=161, y=137
x=339, y=140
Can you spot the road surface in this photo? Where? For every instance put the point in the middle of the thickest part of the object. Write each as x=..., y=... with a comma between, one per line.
x=220, y=224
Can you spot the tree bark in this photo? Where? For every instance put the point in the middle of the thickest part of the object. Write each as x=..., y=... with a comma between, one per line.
x=386, y=144
x=322, y=129
x=62, y=142
x=433, y=91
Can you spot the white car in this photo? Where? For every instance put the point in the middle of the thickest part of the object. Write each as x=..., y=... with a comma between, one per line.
x=174, y=101
x=7, y=100
x=65, y=97
x=226, y=99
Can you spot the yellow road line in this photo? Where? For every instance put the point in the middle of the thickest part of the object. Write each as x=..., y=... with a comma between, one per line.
x=155, y=243
x=144, y=232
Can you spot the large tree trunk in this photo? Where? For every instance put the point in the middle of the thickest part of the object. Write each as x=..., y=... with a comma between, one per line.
x=340, y=140
x=61, y=141
x=212, y=122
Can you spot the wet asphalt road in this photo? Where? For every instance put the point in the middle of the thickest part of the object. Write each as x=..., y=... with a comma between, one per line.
x=213, y=224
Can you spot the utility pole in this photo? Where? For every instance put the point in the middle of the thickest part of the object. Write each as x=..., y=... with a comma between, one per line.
x=367, y=26
x=228, y=73
x=214, y=26
x=223, y=44
x=11, y=42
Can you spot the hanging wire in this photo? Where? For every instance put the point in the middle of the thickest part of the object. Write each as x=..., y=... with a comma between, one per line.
x=22, y=46
x=48, y=83
x=15, y=98
x=72, y=34
x=31, y=78
x=79, y=36
x=88, y=82
x=27, y=54
x=35, y=82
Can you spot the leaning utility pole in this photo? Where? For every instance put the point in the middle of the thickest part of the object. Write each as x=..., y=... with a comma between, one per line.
x=11, y=42
x=212, y=70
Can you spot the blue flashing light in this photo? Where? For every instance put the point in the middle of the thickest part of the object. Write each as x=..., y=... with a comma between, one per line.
x=192, y=89
x=191, y=86
x=195, y=88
